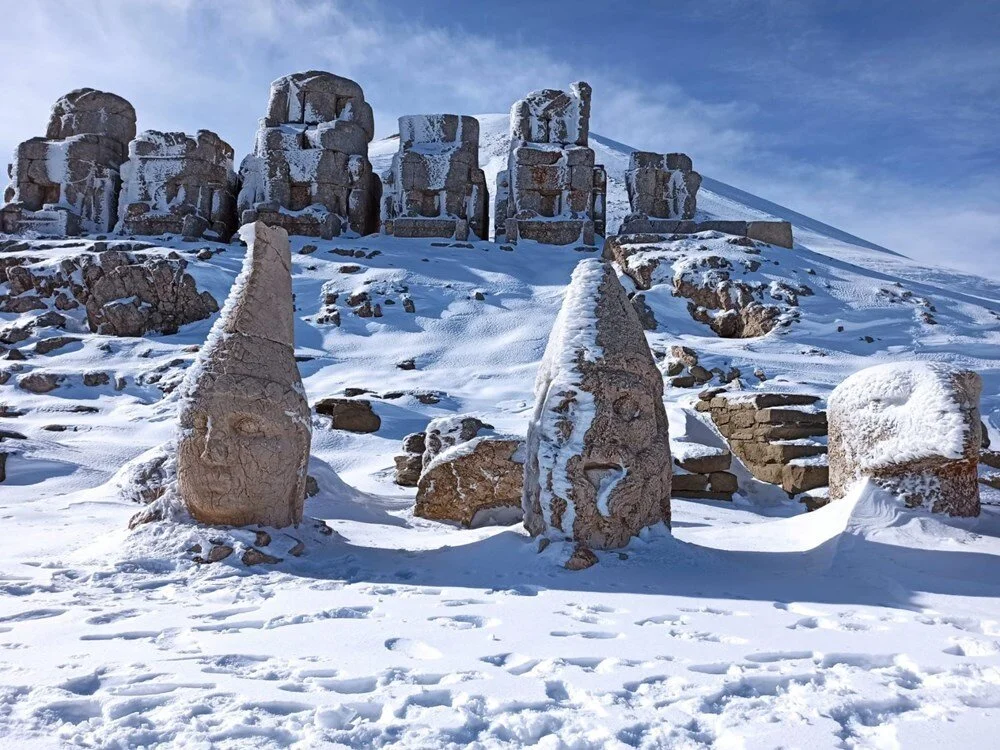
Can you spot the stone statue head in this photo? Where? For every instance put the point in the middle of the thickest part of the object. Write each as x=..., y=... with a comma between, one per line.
x=245, y=431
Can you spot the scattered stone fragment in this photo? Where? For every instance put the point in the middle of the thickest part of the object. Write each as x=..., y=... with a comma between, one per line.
x=350, y=415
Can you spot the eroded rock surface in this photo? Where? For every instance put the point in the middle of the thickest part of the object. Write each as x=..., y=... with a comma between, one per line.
x=474, y=483
x=914, y=429
x=721, y=277
x=122, y=293
x=245, y=428
x=598, y=455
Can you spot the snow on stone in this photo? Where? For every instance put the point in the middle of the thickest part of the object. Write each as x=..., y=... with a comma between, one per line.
x=908, y=407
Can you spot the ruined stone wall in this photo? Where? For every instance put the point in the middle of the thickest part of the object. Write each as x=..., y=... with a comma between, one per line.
x=552, y=191
x=435, y=187
x=660, y=186
x=68, y=181
x=178, y=184
x=309, y=171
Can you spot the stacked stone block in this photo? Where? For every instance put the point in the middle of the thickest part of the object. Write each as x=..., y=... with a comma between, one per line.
x=309, y=171
x=67, y=182
x=774, y=435
x=661, y=187
x=435, y=187
x=175, y=183
x=551, y=191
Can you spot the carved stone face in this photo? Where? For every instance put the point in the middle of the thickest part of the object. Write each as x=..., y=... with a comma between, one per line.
x=238, y=454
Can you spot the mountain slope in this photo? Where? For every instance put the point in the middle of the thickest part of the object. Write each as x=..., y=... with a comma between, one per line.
x=752, y=625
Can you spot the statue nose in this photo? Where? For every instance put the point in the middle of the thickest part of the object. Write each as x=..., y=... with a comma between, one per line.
x=215, y=446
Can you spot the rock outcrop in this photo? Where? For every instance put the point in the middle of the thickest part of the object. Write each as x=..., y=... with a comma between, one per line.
x=551, y=192
x=245, y=431
x=914, y=429
x=721, y=277
x=309, y=171
x=661, y=187
x=598, y=455
x=175, y=183
x=122, y=293
x=435, y=187
x=474, y=483
x=67, y=182
x=777, y=436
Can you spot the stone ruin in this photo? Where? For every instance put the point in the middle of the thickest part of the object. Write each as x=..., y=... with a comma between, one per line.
x=309, y=171
x=779, y=437
x=660, y=187
x=662, y=195
x=175, y=183
x=435, y=187
x=598, y=453
x=551, y=191
x=245, y=426
x=67, y=182
x=914, y=429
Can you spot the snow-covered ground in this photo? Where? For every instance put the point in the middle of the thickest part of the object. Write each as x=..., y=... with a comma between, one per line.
x=754, y=625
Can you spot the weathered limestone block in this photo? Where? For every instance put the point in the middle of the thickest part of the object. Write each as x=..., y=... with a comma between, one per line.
x=174, y=183
x=309, y=171
x=598, y=454
x=660, y=187
x=777, y=436
x=435, y=187
x=552, y=191
x=245, y=428
x=475, y=483
x=68, y=181
x=349, y=414
x=914, y=429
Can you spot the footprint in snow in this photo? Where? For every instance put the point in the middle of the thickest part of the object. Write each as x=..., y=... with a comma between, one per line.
x=413, y=649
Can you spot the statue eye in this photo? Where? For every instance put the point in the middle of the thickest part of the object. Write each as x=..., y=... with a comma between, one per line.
x=200, y=422
x=248, y=426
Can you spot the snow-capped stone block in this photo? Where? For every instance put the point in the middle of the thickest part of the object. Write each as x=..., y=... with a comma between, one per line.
x=660, y=186
x=68, y=181
x=913, y=428
x=435, y=187
x=245, y=429
x=474, y=483
x=309, y=171
x=598, y=453
x=552, y=191
x=175, y=183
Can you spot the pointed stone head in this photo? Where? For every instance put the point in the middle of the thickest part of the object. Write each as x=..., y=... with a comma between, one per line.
x=245, y=423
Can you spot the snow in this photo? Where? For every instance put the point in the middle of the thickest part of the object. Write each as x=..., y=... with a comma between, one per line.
x=906, y=411
x=755, y=625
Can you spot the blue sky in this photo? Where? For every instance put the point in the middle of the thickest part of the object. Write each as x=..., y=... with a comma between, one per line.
x=877, y=117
